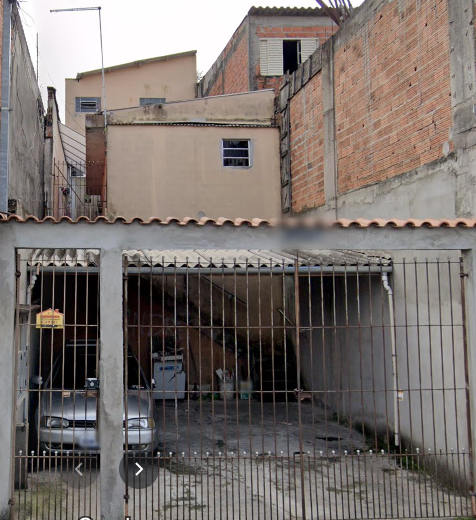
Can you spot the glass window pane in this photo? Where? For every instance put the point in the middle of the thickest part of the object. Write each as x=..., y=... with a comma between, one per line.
x=235, y=144
x=235, y=153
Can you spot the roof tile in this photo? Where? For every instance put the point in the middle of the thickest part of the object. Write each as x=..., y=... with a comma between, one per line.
x=256, y=222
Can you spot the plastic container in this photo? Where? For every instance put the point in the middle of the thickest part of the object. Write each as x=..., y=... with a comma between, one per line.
x=227, y=389
x=246, y=389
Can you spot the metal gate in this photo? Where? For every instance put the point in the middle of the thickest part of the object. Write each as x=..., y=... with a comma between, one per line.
x=257, y=384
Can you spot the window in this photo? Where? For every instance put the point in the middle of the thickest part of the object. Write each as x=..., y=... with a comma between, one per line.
x=236, y=154
x=88, y=104
x=278, y=56
x=291, y=55
x=151, y=101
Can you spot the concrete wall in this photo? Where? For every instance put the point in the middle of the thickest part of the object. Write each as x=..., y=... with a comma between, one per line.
x=173, y=170
x=390, y=105
x=246, y=108
x=26, y=175
x=173, y=78
x=347, y=358
x=237, y=67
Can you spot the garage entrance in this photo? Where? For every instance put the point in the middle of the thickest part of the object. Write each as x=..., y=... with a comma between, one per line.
x=257, y=384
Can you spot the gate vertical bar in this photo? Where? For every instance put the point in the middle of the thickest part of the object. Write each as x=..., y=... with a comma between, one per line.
x=469, y=262
x=298, y=375
x=111, y=384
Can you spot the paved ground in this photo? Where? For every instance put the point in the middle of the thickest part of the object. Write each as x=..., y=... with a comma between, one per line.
x=275, y=482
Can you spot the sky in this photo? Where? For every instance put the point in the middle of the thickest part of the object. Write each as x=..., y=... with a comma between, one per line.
x=69, y=42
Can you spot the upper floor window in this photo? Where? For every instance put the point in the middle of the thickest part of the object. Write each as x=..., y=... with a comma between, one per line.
x=278, y=56
x=151, y=101
x=236, y=153
x=88, y=104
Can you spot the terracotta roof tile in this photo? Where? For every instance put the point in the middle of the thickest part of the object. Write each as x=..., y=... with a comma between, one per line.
x=256, y=222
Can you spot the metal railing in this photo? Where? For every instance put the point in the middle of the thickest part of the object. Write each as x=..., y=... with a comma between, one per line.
x=79, y=190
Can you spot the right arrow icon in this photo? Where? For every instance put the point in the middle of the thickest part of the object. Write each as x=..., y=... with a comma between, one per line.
x=141, y=469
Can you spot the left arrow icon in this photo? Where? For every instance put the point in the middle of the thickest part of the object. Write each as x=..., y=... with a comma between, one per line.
x=77, y=469
x=141, y=469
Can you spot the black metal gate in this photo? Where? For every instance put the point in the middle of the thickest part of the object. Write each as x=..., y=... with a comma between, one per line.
x=301, y=384
x=257, y=384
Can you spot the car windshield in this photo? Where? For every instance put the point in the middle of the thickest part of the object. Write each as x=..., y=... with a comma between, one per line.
x=78, y=366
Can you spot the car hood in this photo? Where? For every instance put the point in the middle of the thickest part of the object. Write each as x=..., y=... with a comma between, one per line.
x=77, y=405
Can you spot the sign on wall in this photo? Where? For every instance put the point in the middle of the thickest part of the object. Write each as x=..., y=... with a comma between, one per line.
x=50, y=319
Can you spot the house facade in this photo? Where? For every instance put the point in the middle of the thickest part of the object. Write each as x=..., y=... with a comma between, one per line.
x=269, y=42
x=143, y=82
x=216, y=157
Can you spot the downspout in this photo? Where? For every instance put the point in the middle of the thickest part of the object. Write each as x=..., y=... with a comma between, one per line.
x=396, y=421
x=5, y=104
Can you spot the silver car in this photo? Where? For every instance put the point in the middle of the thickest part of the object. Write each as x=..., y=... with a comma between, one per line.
x=66, y=418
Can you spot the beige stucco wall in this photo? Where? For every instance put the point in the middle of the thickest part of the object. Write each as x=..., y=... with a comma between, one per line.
x=247, y=107
x=173, y=79
x=164, y=171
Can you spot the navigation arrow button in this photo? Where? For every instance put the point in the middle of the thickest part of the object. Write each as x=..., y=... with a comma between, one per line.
x=77, y=469
x=141, y=469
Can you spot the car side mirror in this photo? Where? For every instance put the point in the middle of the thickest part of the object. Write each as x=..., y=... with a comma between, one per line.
x=153, y=383
x=36, y=380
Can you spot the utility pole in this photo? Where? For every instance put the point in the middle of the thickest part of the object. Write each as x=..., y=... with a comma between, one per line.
x=98, y=9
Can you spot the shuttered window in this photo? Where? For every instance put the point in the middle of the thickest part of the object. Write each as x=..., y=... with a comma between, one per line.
x=272, y=61
x=271, y=54
x=88, y=104
x=308, y=46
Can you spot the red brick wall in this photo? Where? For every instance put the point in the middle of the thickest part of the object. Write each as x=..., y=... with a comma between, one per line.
x=237, y=67
x=307, y=147
x=392, y=102
x=392, y=93
x=232, y=75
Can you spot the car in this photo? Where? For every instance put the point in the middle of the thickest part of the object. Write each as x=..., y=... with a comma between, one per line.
x=66, y=418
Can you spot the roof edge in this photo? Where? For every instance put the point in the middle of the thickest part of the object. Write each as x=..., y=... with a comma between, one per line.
x=136, y=63
x=287, y=223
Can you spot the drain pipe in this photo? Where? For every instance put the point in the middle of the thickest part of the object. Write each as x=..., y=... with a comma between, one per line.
x=33, y=277
x=5, y=104
x=389, y=290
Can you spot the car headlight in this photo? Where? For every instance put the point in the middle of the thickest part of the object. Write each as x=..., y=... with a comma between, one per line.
x=54, y=422
x=138, y=424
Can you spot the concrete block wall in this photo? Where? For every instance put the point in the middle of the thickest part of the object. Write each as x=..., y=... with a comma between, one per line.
x=398, y=94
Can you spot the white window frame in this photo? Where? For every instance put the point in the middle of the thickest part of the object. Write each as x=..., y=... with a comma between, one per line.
x=269, y=48
x=250, y=153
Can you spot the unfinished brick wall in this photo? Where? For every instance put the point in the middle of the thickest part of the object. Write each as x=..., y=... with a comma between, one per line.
x=392, y=101
x=392, y=93
x=230, y=73
x=307, y=147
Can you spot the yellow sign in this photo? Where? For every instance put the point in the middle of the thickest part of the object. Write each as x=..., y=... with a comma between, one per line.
x=50, y=319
